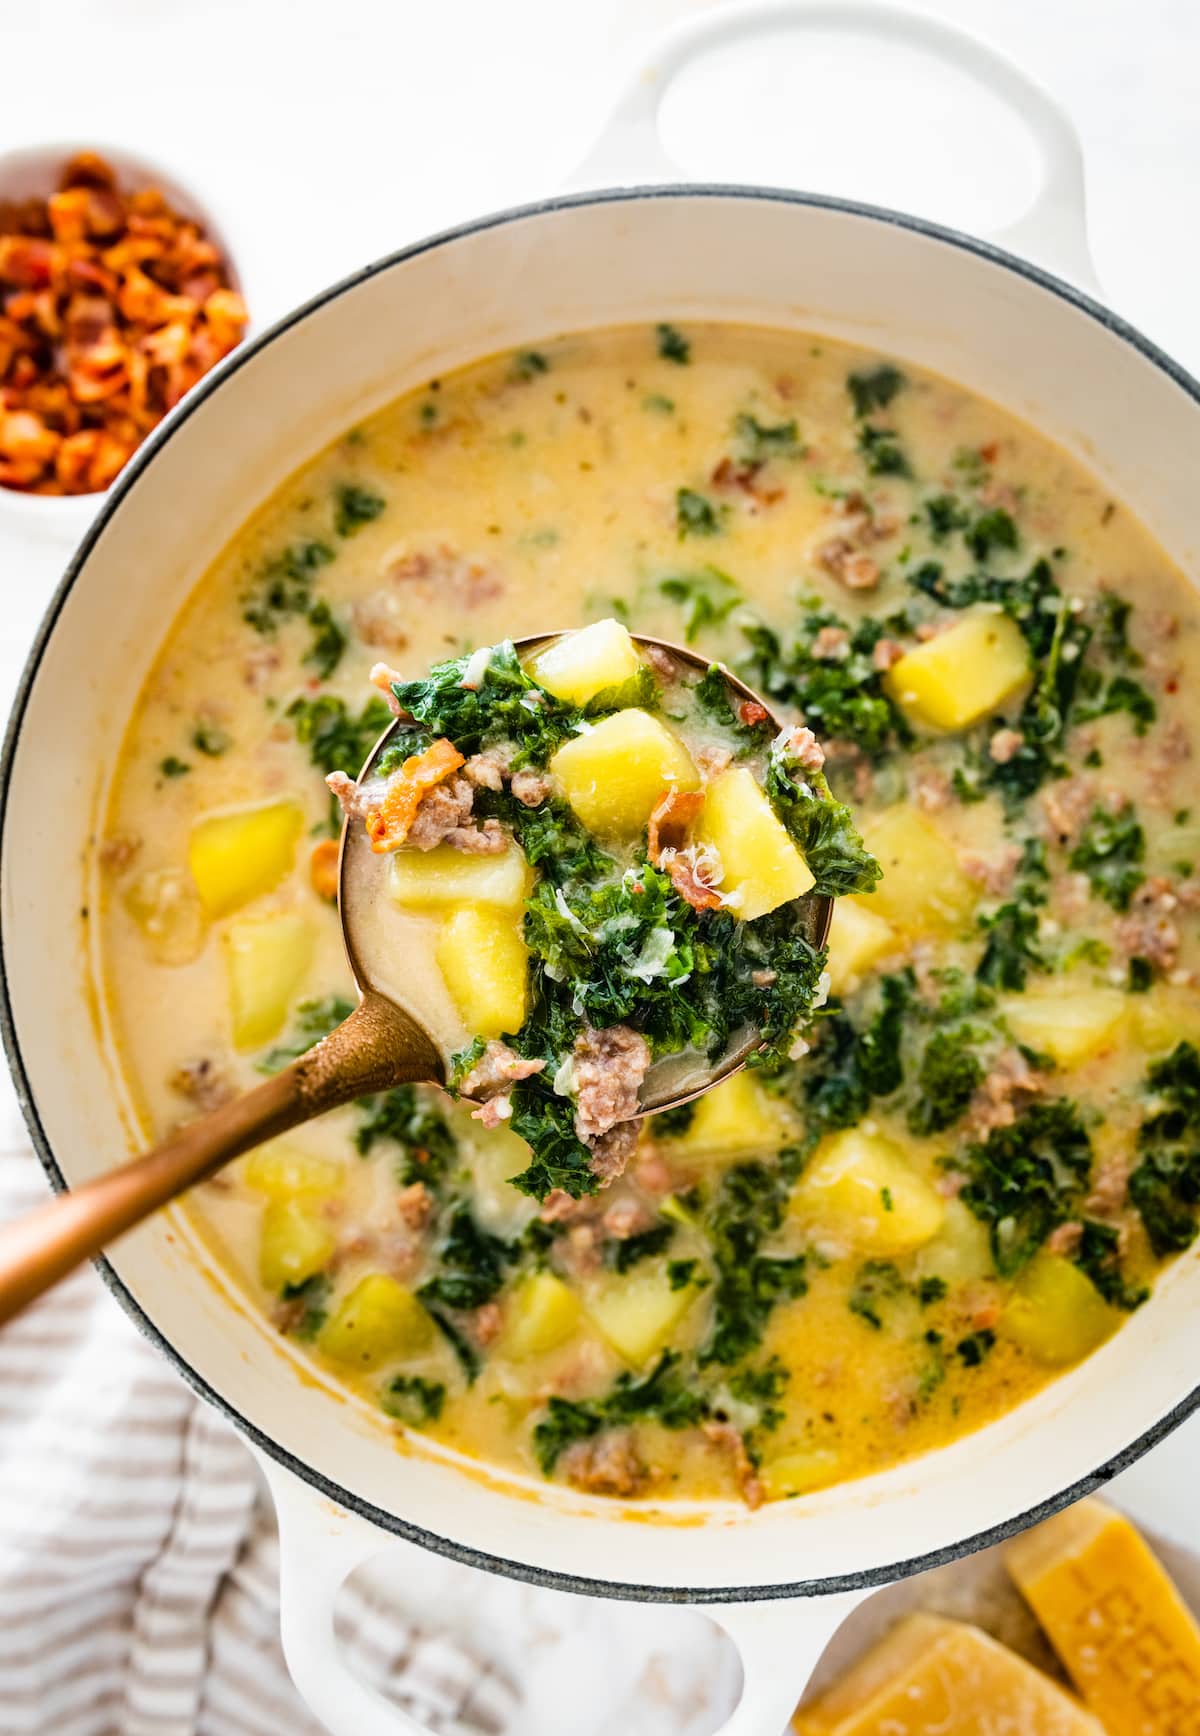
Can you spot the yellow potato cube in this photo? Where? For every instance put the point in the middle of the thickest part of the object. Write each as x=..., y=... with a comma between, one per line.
x=432, y=879
x=761, y=864
x=858, y=938
x=239, y=856
x=796, y=1473
x=1056, y=1313
x=1068, y=1025
x=614, y=773
x=736, y=1116
x=963, y=674
x=266, y=960
x=961, y=1249
x=860, y=1192
x=281, y=1173
x=923, y=888
x=638, y=1311
x=378, y=1320
x=1165, y=1015
x=580, y=665
x=294, y=1244
x=542, y=1314
x=486, y=966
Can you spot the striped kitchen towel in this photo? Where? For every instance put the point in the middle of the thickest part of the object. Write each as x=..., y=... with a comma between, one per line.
x=138, y=1556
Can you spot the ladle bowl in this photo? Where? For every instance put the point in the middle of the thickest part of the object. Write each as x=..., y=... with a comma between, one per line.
x=380, y=1046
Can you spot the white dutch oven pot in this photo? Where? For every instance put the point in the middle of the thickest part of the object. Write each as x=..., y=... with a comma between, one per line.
x=781, y=1579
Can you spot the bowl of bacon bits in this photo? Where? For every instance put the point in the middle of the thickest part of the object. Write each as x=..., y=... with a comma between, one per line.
x=116, y=296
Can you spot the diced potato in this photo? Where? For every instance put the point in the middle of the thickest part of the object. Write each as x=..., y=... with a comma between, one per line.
x=266, y=960
x=961, y=1249
x=497, y=1154
x=164, y=904
x=761, y=864
x=860, y=1192
x=542, y=1314
x=282, y=1172
x=795, y=1473
x=613, y=774
x=295, y=1244
x=378, y=1320
x=1164, y=1016
x=1056, y=1313
x=1067, y=1025
x=923, y=887
x=432, y=879
x=239, y=856
x=638, y=1311
x=858, y=938
x=486, y=966
x=963, y=674
x=736, y=1116
x=580, y=665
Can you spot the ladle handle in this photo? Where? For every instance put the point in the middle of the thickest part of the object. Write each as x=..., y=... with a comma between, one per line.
x=377, y=1047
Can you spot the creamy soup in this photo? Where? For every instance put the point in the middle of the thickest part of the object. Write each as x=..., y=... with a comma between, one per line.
x=847, y=1256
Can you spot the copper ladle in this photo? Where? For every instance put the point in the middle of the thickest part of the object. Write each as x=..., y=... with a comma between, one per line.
x=378, y=1047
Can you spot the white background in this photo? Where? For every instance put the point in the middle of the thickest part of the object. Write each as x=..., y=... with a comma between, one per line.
x=326, y=132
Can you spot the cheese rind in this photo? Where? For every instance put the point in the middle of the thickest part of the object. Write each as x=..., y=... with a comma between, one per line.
x=1128, y=1641
x=928, y=1675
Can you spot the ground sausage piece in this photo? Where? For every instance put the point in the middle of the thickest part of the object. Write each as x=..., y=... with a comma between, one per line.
x=800, y=744
x=496, y=1069
x=886, y=654
x=728, y=1440
x=994, y=873
x=1149, y=930
x=559, y=1208
x=441, y=818
x=354, y=802
x=933, y=790
x=857, y=572
x=486, y=1323
x=494, y=1112
x=831, y=644
x=627, y=1218
x=609, y=1068
x=607, y=1465
x=712, y=761
x=1065, y=1240
x=1067, y=805
x=612, y=1151
x=1005, y=745
x=202, y=1083
x=382, y=618
x=1005, y=1091
x=1110, y=1186
x=415, y=1205
x=532, y=788
x=443, y=572
x=487, y=770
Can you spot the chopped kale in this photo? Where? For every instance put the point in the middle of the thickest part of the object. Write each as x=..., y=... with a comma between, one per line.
x=1165, y=1187
x=931, y=1290
x=336, y=739
x=313, y=1298
x=849, y=1066
x=413, y=1400
x=695, y=514
x=948, y=1077
x=876, y=1282
x=672, y=345
x=284, y=585
x=673, y=1123
x=944, y=514
x=874, y=388
x=1141, y=976
x=823, y=828
x=758, y=441
x=681, y=1273
x=661, y=1395
x=1011, y=950
x=882, y=452
x=471, y=1264
x=975, y=1346
x=210, y=739
x=705, y=597
x=1027, y=1178
x=711, y=693
x=1110, y=852
x=314, y=1020
x=1099, y=1257
x=173, y=768
x=761, y=1387
x=1119, y=693
x=508, y=705
x=749, y=1208
x=408, y=1118
x=355, y=506
x=992, y=530
x=622, y=1254
x=329, y=641
x=528, y=364
x=1112, y=630
x=842, y=698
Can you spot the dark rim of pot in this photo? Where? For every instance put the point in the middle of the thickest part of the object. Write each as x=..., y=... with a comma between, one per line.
x=864, y=1579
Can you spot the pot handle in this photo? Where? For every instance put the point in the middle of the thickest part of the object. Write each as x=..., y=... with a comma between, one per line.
x=320, y=1545
x=1052, y=231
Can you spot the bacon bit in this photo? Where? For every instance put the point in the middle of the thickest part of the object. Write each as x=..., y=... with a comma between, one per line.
x=114, y=305
x=388, y=824
x=671, y=821
x=323, y=868
x=744, y=477
x=751, y=712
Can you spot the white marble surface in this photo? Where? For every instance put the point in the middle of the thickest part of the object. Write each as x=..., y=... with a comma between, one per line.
x=335, y=133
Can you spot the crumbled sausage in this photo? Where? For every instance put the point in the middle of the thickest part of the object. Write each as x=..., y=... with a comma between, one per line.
x=415, y=1205
x=609, y=1464
x=487, y=770
x=800, y=744
x=885, y=654
x=202, y=1082
x=498, y=1068
x=744, y=478
x=1065, y=1240
x=994, y=873
x=612, y=1151
x=532, y=788
x=355, y=803
x=384, y=677
x=382, y=618
x=494, y=1112
x=486, y=1322
x=1150, y=931
x=728, y=1440
x=1005, y=745
x=559, y=1208
x=1004, y=1093
x=118, y=851
x=933, y=789
x=1110, y=1186
x=851, y=568
x=443, y=572
x=627, y=1218
x=712, y=761
x=441, y=818
x=831, y=644
x=1066, y=805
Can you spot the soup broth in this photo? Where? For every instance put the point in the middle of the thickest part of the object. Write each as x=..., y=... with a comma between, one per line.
x=828, y=1264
